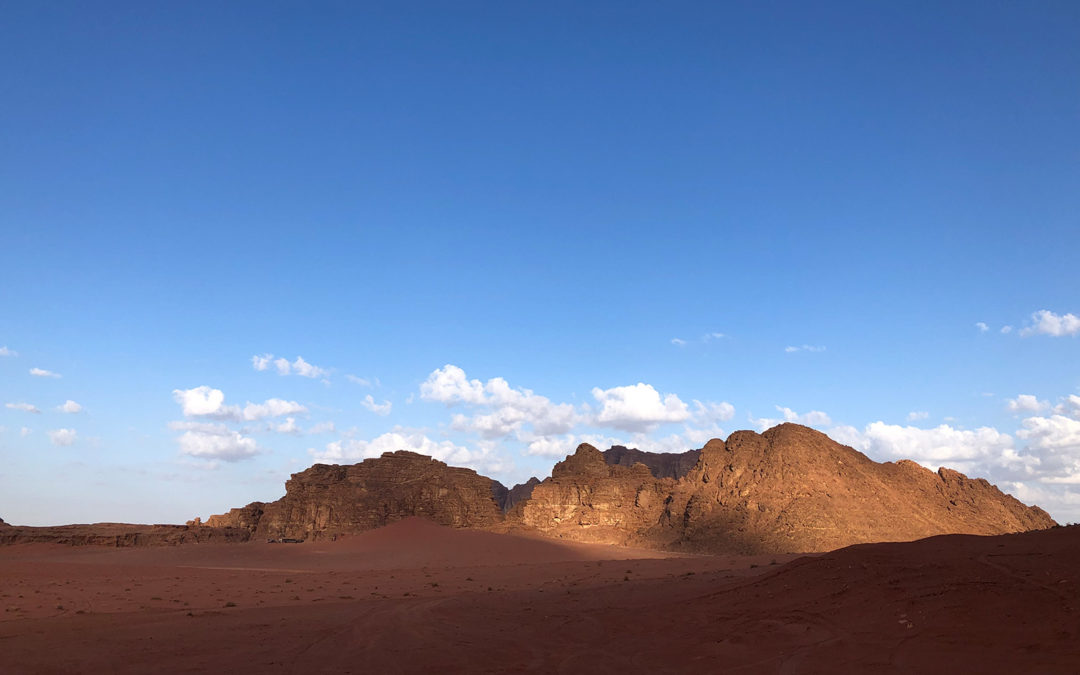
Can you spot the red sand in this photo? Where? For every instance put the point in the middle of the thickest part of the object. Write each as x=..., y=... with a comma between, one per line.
x=415, y=597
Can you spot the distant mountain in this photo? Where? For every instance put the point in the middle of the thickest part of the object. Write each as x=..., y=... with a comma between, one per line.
x=791, y=489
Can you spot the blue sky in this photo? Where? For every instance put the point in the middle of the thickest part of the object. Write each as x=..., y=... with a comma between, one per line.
x=519, y=226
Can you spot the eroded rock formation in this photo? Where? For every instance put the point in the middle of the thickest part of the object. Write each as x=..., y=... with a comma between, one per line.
x=661, y=464
x=791, y=489
x=328, y=500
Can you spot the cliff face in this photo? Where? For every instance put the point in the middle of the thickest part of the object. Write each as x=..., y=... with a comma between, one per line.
x=587, y=499
x=791, y=489
x=661, y=464
x=325, y=501
x=244, y=517
x=120, y=535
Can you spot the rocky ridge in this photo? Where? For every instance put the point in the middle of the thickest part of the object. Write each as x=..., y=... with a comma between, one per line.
x=326, y=501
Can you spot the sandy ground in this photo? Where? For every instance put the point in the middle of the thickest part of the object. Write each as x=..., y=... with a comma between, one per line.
x=416, y=597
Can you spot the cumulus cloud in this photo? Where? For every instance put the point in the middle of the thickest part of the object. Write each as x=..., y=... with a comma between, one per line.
x=382, y=409
x=1026, y=403
x=289, y=426
x=637, y=407
x=1045, y=322
x=713, y=336
x=4, y=351
x=1005, y=330
x=274, y=407
x=204, y=401
x=70, y=407
x=25, y=407
x=982, y=326
x=678, y=342
x=261, y=362
x=362, y=381
x=41, y=372
x=916, y=415
x=217, y=442
x=62, y=436
x=449, y=385
x=709, y=412
x=791, y=349
x=1070, y=407
x=283, y=366
x=352, y=450
x=814, y=418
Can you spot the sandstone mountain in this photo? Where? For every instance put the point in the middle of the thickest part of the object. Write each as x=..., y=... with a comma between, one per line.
x=790, y=489
x=661, y=464
x=329, y=500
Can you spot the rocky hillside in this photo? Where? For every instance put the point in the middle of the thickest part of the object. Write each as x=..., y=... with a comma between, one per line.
x=120, y=535
x=329, y=500
x=791, y=489
x=661, y=464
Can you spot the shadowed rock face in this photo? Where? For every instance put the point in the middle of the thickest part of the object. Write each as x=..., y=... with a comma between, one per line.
x=244, y=517
x=661, y=464
x=329, y=500
x=120, y=535
x=791, y=489
x=506, y=499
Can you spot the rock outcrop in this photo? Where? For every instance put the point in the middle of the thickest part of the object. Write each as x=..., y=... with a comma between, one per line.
x=791, y=489
x=326, y=501
x=121, y=535
x=661, y=464
x=507, y=498
x=244, y=517
x=587, y=499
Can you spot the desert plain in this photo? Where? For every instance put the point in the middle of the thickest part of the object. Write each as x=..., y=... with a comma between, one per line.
x=415, y=596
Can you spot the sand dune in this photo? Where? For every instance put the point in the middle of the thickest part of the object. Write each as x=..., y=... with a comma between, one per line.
x=416, y=597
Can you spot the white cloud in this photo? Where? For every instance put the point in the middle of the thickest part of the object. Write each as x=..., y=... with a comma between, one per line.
x=25, y=407
x=25, y=431
x=362, y=381
x=1026, y=403
x=678, y=342
x=40, y=372
x=62, y=436
x=1005, y=330
x=261, y=362
x=960, y=449
x=709, y=412
x=714, y=336
x=352, y=450
x=449, y=385
x=1070, y=407
x=217, y=442
x=305, y=369
x=814, y=418
x=274, y=407
x=285, y=367
x=637, y=407
x=70, y=407
x=382, y=409
x=4, y=351
x=982, y=326
x=916, y=415
x=207, y=402
x=1045, y=322
x=289, y=426
x=803, y=348
x=1055, y=441
x=321, y=428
